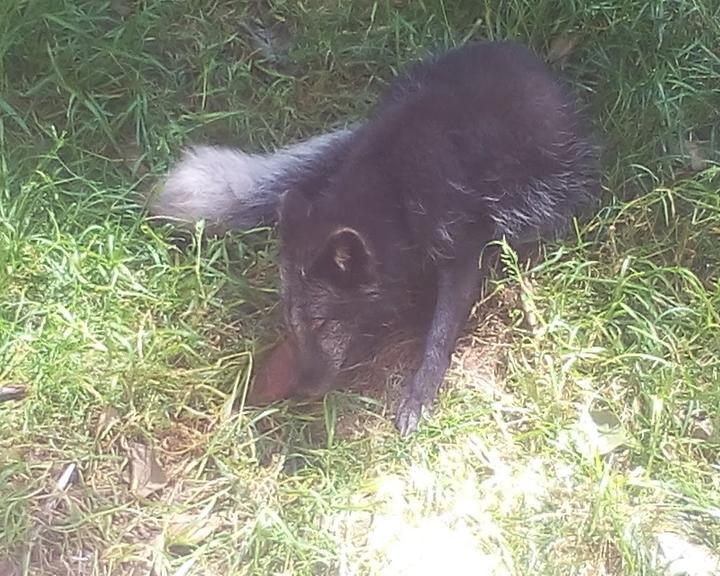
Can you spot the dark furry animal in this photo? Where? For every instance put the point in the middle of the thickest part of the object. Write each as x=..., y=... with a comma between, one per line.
x=384, y=229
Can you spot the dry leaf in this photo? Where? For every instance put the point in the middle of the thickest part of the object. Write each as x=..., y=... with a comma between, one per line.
x=192, y=529
x=123, y=8
x=66, y=477
x=599, y=432
x=146, y=474
x=561, y=48
x=63, y=483
x=696, y=156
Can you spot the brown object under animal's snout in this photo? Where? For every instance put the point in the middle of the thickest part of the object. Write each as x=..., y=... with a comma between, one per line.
x=277, y=375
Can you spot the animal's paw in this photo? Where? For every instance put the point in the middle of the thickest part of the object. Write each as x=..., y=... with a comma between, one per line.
x=411, y=411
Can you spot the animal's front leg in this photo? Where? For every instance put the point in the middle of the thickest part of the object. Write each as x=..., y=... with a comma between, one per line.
x=458, y=283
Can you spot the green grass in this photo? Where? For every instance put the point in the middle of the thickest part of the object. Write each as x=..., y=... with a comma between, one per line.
x=561, y=448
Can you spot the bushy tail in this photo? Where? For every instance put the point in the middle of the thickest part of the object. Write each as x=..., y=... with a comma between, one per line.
x=230, y=189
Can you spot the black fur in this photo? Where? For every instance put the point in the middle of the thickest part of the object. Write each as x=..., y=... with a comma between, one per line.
x=478, y=144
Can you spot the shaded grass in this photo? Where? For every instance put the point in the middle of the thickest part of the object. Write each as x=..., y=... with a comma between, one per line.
x=98, y=309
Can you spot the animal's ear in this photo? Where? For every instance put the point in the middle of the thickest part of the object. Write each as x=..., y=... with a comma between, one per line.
x=345, y=260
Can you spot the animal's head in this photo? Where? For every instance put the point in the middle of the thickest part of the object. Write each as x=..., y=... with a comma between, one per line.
x=349, y=271
x=331, y=303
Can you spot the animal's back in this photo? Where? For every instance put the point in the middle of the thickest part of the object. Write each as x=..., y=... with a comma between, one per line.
x=479, y=143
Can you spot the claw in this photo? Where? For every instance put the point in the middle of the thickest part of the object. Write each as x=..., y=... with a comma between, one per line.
x=408, y=417
x=410, y=413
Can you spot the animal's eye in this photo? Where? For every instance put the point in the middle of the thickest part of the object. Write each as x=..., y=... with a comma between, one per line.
x=317, y=323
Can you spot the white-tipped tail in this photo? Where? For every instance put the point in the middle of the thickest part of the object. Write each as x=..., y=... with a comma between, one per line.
x=230, y=189
x=206, y=184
